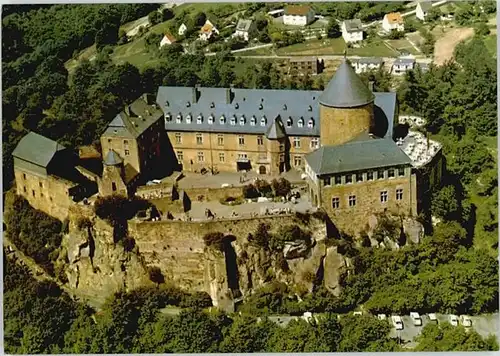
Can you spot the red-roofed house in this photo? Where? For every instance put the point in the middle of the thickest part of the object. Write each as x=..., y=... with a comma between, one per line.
x=207, y=31
x=167, y=39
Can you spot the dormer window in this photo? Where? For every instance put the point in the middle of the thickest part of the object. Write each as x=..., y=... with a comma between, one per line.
x=237, y=106
x=253, y=121
x=222, y=120
x=263, y=121
x=261, y=107
x=300, y=123
x=188, y=119
x=284, y=107
x=210, y=120
x=167, y=103
x=199, y=119
x=289, y=122
x=309, y=108
x=188, y=104
x=168, y=117
x=232, y=121
x=212, y=105
x=178, y=119
x=310, y=123
x=242, y=120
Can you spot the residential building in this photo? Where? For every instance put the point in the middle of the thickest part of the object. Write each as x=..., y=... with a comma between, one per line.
x=365, y=64
x=276, y=13
x=182, y=30
x=167, y=39
x=207, y=31
x=423, y=8
x=298, y=15
x=304, y=65
x=402, y=65
x=352, y=30
x=393, y=22
x=245, y=29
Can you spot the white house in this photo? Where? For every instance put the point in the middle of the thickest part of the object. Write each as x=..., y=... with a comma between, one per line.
x=393, y=22
x=207, y=31
x=366, y=64
x=167, y=39
x=402, y=65
x=423, y=8
x=352, y=30
x=182, y=30
x=298, y=15
x=245, y=29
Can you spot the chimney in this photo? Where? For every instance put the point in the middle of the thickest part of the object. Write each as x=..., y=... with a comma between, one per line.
x=229, y=96
x=370, y=85
x=195, y=94
x=127, y=110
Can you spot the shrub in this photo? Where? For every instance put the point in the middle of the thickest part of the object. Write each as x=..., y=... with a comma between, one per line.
x=155, y=275
x=261, y=237
x=196, y=300
x=281, y=187
x=303, y=218
x=250, y=192
x=262, y=186
x=215, y=240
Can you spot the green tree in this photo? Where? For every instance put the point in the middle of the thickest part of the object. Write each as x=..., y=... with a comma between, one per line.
x=246, y=334
x=445, y=204
x=333, y=29
x=155, y=17
x=297, y=336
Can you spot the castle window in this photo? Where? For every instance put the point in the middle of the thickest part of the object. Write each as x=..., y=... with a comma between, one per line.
x=390, y=173
x=199, y=119
x=233, y=121
x=178, y=119
x=380, y=174
x=24, y=188
x=338, y=179
x=222, y=120
x=314, y=142
x=335, y=203
x=210, y=120
x=369, y=175
x=263, y=121
x=359, y=177
x=33, y=192
x=220, y=140
x=296, y=142
x=300, y=123
x=260, y=140
x=180, y=156
x=109, y=140
x=383, y=196
x=178, y=137
x=352, y=200
x=40, y=184
x=41, y=194
x=253, y=121
x=242, y=156
x=348, y=178
x=188, y=119
x=399, y=194
x=113, y=186
x=201, y=157
x=127, y=153
x=241, y=140
x=310, y=123
x=50, y=198
x=289, y=122
x=242, y=120
x=221, y=157
x=401, y=171
x=125, y=143
x=199, y=139
x=24, y=176
x=327, y=180
x=297, y=161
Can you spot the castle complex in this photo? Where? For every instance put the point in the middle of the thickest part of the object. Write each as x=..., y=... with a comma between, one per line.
x=344, y=139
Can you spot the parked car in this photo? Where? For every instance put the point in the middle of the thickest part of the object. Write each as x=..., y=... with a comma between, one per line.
x=357, y=313
x=415, y=317
x=397, y=322
x=466, y=321
x=381, y=317
x=433, y=318
x=454, y=320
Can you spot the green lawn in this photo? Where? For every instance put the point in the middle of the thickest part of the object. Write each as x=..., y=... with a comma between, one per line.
x=403, y=45
x=491, y=44
x=135, y=53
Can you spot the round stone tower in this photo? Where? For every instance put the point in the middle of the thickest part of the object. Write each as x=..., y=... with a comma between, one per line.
x=346, y=107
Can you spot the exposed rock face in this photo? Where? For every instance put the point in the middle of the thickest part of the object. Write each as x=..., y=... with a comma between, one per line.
x=414, y=230
x=335, y=266
x=295, y=249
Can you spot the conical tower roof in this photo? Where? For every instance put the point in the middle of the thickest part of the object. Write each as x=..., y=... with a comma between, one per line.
x=275, y=131
x=112, y=159
x=346, y=89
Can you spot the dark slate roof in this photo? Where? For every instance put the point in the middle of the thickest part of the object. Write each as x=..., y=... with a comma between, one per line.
x=276, y=130
x=425, y=5
x=37, y=149
x=284, y=104
x=368, y=60
x=346, y=89
x=353, y=25
x=112, y=159
x=141, y=114
x=356, y=155
x=405, y=61
x=129, y=173
x=243, y=25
